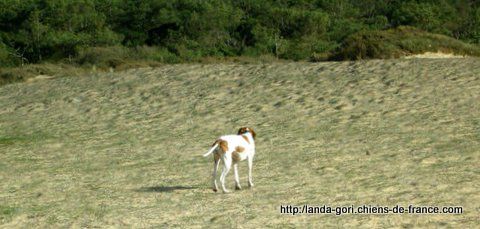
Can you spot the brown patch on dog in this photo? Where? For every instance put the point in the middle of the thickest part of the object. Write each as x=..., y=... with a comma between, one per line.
x=236, y=154
x=242, y=130
x=245, y=130
x=223, y=144
x=246, y=138
x=239, y=149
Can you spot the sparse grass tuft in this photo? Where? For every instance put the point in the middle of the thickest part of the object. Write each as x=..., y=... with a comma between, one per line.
x=21, y=139
x=7, y=212
x=10, y=140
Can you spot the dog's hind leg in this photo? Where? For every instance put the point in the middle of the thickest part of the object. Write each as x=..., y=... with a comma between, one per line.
x=237, y=178
x=216, y=162
x=227, y=163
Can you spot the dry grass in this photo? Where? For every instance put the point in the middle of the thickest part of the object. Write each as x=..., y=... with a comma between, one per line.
x=33, y=72
x=109, y=62
x=399, y=42
x=124, y=149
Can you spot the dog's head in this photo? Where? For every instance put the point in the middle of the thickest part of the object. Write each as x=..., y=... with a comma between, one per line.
x=245, y=130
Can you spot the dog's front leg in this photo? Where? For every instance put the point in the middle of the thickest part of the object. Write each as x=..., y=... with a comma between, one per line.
x=250, y=167
x=237, y=178
x=227, y=163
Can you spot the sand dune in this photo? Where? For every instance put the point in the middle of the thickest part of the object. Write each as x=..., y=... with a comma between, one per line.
x=123, y=149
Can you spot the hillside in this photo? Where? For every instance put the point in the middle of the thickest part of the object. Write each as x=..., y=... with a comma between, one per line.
x=123, y=149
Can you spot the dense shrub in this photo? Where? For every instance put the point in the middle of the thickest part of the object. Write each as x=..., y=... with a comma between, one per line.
x=33, y=31
x=6, y=58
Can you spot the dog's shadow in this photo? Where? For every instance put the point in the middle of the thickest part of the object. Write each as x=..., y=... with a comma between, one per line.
x=165, y=188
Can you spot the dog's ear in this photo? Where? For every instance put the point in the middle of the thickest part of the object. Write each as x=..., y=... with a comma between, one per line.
x=253, y=132
x=242, y=130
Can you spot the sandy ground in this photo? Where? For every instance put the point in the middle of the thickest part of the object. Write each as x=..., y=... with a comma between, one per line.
x=123, y=149
x=434, y=55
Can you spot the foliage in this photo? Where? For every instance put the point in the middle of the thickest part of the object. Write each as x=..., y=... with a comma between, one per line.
x=33, y=31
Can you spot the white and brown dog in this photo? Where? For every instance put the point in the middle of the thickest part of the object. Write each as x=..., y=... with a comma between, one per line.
x=232, y=149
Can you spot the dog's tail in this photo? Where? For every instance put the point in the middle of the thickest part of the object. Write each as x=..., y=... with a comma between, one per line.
x=212, y=149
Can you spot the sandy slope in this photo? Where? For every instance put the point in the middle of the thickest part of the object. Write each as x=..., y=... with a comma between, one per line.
x=435, y=55
x=123, y=149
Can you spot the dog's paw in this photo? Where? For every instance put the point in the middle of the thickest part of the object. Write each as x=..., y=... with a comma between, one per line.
x=238, y=187
x=226, y=191
x=250, y=185
x=214, y=189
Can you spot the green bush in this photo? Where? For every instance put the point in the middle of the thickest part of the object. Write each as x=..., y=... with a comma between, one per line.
x=306, y=48
x=156, y=54
x=103, y=56
x=5, y=56
x=34, y=31
x=115, y=56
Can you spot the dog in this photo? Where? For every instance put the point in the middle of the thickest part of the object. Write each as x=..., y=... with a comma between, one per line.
x=232, y=149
